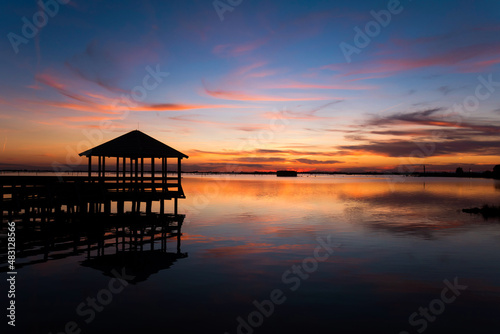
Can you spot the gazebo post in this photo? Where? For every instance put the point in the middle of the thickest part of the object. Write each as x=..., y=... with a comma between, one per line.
x=131, y=169
x=99, y=167
x=142, y=172
x=163, y=181
x=166, y=170
x=117, y=169
x=90, y=167
x=124, y=168
x=179, y=172
x=136, y=170
x=103, y=167
x=153, y=173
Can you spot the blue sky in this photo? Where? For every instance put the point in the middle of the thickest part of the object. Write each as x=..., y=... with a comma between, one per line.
x=268, y=87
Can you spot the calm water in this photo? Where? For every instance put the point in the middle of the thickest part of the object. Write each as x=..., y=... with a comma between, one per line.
x=336, y=254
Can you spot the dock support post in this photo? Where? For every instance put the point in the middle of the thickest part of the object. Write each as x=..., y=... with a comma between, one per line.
x=120, y=207
x=107, y=207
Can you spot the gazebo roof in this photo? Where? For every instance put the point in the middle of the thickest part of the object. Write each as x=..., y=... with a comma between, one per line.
x=134, y=144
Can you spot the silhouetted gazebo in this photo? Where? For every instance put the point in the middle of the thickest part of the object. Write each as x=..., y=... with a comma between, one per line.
x=132, y=174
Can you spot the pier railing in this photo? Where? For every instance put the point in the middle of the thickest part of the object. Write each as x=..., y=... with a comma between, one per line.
x=18, y=192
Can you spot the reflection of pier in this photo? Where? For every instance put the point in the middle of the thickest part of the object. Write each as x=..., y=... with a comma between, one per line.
x=134, y=240
x=137, y=243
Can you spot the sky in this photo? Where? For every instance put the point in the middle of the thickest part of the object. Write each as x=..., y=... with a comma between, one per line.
x=250, y=85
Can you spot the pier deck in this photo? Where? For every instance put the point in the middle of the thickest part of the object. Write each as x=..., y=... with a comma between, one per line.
x=25, y=194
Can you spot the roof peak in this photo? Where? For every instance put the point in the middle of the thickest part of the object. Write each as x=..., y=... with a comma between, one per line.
x=134, y=144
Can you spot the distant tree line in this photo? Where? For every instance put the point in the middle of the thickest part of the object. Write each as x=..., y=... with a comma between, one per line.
x=489, y=174
x=496, y=172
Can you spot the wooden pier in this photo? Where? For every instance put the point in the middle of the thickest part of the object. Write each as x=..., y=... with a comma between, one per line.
x=132, y=168
x=46, y=196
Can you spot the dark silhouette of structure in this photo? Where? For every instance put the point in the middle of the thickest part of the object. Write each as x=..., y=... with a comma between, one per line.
x=286, y=173
x=100, y=214
x=131, y=180
x=496, y=172
x=133, y=241
x=130, y=176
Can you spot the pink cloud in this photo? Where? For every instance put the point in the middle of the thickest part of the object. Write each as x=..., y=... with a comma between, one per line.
x=87, y=101
x=248, y=68
x=302, y=85
x=242, y=96
x=479, y=65
x=262, y=74
x=181, y=107
x=457, y=58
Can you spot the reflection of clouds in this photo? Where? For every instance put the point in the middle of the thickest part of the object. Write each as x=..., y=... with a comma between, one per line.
x=272, y=207
x=413, y=210
x=424, y=230
x=253, y=248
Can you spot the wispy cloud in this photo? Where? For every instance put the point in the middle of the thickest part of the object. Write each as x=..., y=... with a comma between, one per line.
x=108, y=64
x=403, y=148
x=470, y=58
x=303, y=85
x=82, y=100
x=318, y=162
x=235, y=50
x=430, y=117
x=244, y=96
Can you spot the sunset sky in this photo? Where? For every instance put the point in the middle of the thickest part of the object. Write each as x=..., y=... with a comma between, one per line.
x=257, y=85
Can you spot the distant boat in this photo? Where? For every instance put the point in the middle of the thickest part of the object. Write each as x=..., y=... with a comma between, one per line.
x=281, y=173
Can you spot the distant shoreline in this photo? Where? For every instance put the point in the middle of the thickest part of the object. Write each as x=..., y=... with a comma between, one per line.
x=485, y=175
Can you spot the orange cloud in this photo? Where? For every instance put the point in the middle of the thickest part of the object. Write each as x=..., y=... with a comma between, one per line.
x=180, y=107
x=87, y=118
x=241, y=96
x=98, y=103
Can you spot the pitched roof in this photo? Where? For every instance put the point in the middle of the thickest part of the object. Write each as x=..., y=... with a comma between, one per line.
x=134, y=144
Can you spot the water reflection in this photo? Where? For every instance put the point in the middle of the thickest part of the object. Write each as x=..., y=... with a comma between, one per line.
x=400, y=241
x=134, y=241
x=280, y=207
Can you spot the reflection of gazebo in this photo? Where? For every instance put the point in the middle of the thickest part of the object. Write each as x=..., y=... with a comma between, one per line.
x=140, y=265
x=131, y=177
